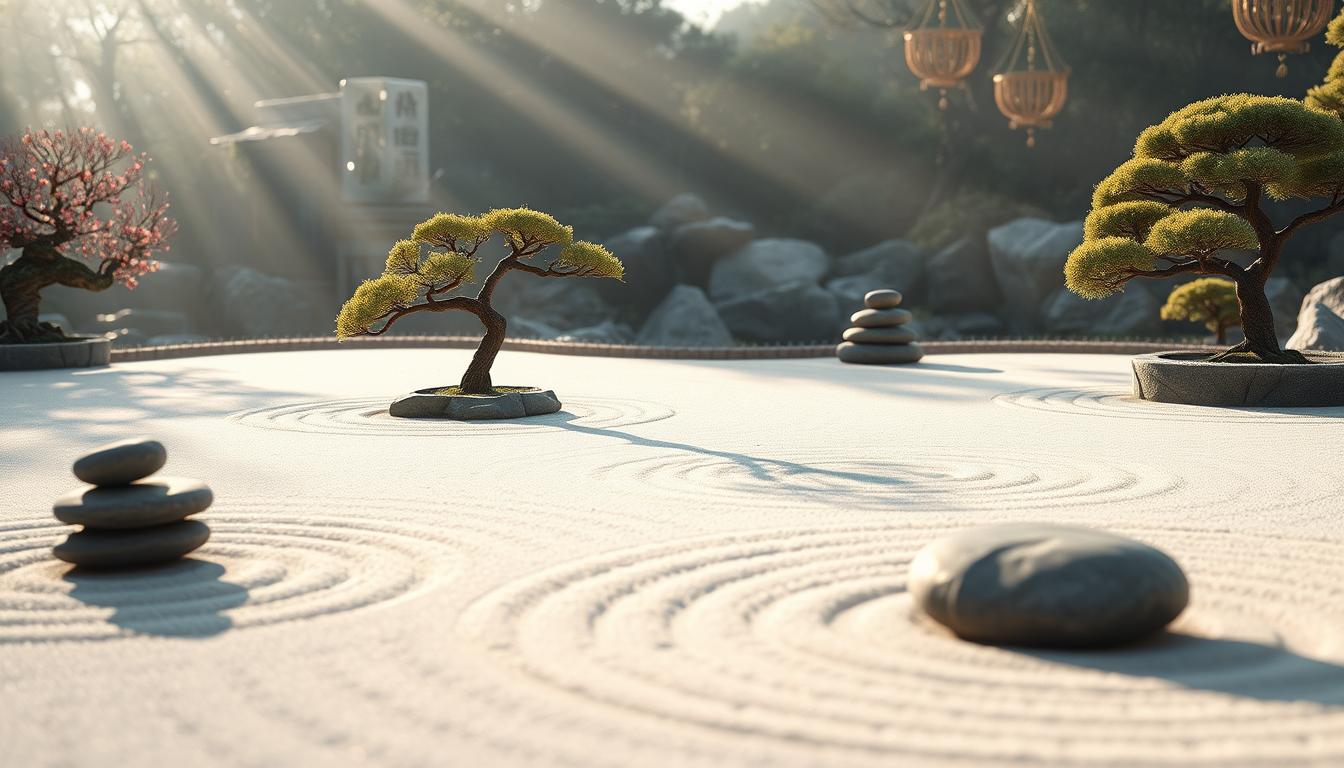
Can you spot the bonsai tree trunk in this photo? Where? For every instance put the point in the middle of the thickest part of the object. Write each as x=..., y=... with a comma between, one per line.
x=476, y=381
x=21, y=285
x=1221, y=331
x=1257, y=322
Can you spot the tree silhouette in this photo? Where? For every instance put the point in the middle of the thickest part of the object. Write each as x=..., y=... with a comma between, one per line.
x=1208, y=300
x=416, y=282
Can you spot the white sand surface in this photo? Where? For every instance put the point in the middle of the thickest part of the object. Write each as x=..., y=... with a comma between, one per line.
x=695, y=563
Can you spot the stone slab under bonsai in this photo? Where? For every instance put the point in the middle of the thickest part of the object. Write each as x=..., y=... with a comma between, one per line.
x=453, y=403
x=1191, y=379
x=1047, y=585
x=440, y=257
x=75, y=352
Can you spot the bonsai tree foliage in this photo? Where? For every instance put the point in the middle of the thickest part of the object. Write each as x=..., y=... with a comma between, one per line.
x=67, y=200
x=1208, y=300
x=441, y=256
x=1195, y=190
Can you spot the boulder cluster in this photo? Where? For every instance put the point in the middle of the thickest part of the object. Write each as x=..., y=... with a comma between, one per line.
x=881, y=334
x=129, y=518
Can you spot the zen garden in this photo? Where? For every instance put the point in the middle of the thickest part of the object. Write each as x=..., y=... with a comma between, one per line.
x=824, y=383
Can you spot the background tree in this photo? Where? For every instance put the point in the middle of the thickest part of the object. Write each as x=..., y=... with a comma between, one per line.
x=67, y=198
x=415, y=282
x=1208, y=300
x=1194, y=191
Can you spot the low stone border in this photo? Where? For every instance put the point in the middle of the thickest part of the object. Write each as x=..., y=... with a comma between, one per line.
x=85, y=352
x=1186, y=378
x=746, y=352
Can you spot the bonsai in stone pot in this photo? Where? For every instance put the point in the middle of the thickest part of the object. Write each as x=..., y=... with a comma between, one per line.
x=1193, y=200
x=1208, y=300
x=75, y=207
x=440, y=257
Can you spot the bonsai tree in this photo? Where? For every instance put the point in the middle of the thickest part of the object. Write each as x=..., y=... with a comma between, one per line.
x=1208, y=300
x=1194, y=195
x=441, y=256
x=69, y=200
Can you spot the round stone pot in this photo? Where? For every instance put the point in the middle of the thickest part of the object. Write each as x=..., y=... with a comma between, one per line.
x=428, y=404
x=78, y=352
x=1188, y=378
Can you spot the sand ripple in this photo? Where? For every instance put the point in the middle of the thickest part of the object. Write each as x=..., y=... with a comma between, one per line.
x=800, y=646
x=368, y=416
x=1123, y=405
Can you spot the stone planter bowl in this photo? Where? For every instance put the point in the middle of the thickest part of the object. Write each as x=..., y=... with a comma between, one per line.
x=78, y=352
x=428, y=404
x=1188, y=378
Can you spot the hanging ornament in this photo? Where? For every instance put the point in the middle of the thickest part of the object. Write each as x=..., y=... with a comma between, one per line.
x=1281, y=26
x=943, y=47
x=1032, y=83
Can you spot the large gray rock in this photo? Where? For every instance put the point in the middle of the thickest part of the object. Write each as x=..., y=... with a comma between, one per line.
x=649, y=272
x=604, y=333
x=682, y=209
x=173, y=287
x=563, y=304
x=765, y=265
x=249, y=303
x=1028, y=258
x=686, y=318
x=1131, y=313
x=797, y=312
x=897, y=265
x=1037, y=584
x=960, y=278
x=901, y=258
x=972, y=324
x=1318, y=328
x=526, y=328
x=151, y=502
x=1285, y=299
x=698, y=246
x=147, y=322
x=1334, y=260
x=430, y=404
x=122, y=462
x=131, y=548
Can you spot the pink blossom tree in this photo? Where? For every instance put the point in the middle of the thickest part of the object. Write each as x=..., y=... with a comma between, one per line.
x=69, y=200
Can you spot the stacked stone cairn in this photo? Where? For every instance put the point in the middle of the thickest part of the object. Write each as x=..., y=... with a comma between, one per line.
x=131, y=519
x=880, y=335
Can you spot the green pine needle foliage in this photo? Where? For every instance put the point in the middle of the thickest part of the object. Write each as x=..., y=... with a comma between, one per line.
x=1141, y=174
x=373, y=299
x=444, y=267
x=591, y=258
x=445, y=228
x=1097, y=268
x=1225, y=124
x=1209, y=300
x=1201, y=232
x=521, y=225
x=1132, y=220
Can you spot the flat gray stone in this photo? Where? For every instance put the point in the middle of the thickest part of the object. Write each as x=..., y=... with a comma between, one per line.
x=1045, y=585
x=425, y=404
x=152, y=502
x=884, y=298
x=879, y=354
x=880, y=318
x=896, y=334
x=1188, y=378
x=76, y=353
x=122, y=462
x=128, y=549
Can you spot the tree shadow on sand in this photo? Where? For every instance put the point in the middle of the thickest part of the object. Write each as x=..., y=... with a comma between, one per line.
x=1242, y=668
x=187, y=598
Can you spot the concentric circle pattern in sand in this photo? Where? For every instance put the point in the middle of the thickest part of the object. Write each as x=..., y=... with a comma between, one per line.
x=1117, y=404
x=369, y=416
x=799, y=646
x=265, y=563
x=920, y=480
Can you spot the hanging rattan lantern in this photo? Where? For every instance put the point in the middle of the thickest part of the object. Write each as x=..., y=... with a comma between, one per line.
x=943, y=47
x=1281, y=26
x=1032, y=83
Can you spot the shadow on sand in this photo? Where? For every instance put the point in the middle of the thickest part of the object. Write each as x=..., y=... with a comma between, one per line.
x=183, y=599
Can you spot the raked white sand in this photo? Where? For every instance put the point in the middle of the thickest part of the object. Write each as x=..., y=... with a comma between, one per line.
x=696, y=563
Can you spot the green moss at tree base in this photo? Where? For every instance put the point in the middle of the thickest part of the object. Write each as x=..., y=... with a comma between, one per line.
x=457, y=391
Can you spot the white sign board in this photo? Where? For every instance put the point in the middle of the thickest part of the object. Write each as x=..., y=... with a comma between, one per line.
x=384, y=140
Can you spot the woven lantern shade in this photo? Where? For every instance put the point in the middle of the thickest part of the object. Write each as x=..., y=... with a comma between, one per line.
x=1033, y=82
x=943, y=47
x=1281, y=26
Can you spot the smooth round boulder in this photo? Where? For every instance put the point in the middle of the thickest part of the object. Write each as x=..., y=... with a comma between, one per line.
x=1046, y=585
x=895, y=334
x=884, y=298
x=122, y=463
x=152, y=502
x=880, y=318
x=879, y=354
x=128, y=549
